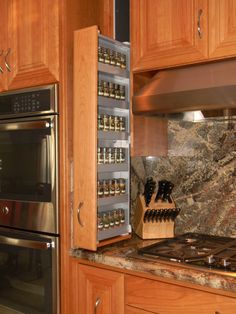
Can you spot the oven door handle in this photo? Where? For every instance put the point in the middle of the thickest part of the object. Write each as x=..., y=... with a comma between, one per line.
x=26, y=243
x=43, y=124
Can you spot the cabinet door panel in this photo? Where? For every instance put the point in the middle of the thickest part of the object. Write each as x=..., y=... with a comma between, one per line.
x=104, y=287
x=164, y=33
x=165, y=298
x=33, y=37
x=3, y=39
x=222, y=28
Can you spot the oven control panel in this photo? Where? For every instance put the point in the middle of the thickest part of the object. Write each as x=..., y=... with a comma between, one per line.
x=28, y=101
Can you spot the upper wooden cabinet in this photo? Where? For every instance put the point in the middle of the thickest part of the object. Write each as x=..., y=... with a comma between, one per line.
x=167, y=33
x=222, y=28
x=29, y=43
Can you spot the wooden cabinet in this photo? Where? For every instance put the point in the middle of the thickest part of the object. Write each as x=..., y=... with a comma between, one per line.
x=167, y=33
x=100, y=291
x=164, y=33
x=222, y=28
x=161, y=297
x=29, y=43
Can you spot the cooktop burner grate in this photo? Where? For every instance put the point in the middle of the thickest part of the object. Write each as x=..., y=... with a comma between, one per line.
x=196, y=249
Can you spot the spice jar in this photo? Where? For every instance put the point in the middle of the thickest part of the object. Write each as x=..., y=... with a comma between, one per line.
x=105, y=122
x=122, y=92
x=116, y=218
x=105, y=155
x=111, y=123
x=100, y=155
x=122, y=185
x=105, y=187
x=107, y=55
x=121, y=155
x=105, y=220
x=117, y=91
x=111, y=90
x=100, y=88
x=117, y=123
x=117, y=187
x=111, y=156
x=112, y=58
x=121, y=214
x=105, y=89
x=112, y=187
x=99, y=222
x=100, y=189
x=111, y=219
x=122, y=124
x=100, y=54
x=123, y=61
x=100, y=122
x=118, y=59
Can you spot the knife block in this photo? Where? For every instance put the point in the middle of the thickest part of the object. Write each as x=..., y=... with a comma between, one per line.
x=155, y=229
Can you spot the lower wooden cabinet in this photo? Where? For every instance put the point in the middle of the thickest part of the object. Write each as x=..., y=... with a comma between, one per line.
x=100, y=291
x=165, y=298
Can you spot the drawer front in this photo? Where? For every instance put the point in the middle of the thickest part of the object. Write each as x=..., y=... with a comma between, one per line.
x=165, y=298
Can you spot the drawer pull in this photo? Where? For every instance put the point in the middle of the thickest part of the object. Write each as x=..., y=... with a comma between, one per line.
x=98, y=301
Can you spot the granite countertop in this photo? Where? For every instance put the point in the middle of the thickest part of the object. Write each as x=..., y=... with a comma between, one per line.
x=123, y=255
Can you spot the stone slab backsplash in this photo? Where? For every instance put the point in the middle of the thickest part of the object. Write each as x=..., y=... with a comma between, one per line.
x=201, y=163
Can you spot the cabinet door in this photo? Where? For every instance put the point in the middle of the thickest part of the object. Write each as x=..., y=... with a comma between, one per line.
x=100, y=291
x=165, y=33
x=33, y=42
x=3, y=38
x=222, y=28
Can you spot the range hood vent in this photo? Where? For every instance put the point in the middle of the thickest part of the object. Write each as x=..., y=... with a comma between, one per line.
x=207, y=87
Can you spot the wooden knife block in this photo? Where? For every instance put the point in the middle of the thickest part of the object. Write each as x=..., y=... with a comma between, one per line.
x=152, y=230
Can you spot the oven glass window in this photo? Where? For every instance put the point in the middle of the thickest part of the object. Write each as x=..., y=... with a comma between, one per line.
x=25, y=170
x=25, y=280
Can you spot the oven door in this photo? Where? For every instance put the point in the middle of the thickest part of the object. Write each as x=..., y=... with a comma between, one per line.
x=28, y=272
x=28, y=172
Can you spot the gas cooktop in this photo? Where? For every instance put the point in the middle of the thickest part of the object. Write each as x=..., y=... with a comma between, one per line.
x=198, y=250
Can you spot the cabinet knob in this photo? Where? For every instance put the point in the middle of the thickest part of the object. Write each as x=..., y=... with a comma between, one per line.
x=98, y=301
x=6, y=62
x=5, y=210
x=199, y=29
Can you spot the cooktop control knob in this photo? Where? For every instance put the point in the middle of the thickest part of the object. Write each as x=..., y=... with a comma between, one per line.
x=225, y=262
x=210, y=260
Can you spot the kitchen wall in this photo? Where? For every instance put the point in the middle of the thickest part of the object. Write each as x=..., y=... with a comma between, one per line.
x=201, y=163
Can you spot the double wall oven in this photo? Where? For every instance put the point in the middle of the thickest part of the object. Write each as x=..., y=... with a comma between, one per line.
x=29, y=230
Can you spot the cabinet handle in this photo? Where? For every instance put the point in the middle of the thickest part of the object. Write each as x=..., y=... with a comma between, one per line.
x=199, y=29
x=98, y=301
x=6, y=63
x=1, y=69
x=78, y=213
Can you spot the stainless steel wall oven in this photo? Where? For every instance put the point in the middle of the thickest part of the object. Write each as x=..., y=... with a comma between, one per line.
x=29, y=230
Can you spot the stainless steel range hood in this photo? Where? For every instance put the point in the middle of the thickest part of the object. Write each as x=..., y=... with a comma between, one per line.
x=210, y=87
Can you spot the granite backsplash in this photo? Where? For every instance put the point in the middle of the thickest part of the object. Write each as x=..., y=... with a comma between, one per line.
x=201, y=162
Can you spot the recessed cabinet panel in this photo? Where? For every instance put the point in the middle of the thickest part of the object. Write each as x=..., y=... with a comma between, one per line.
x=101, y=140
x=222, y=28
x=32, y=42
